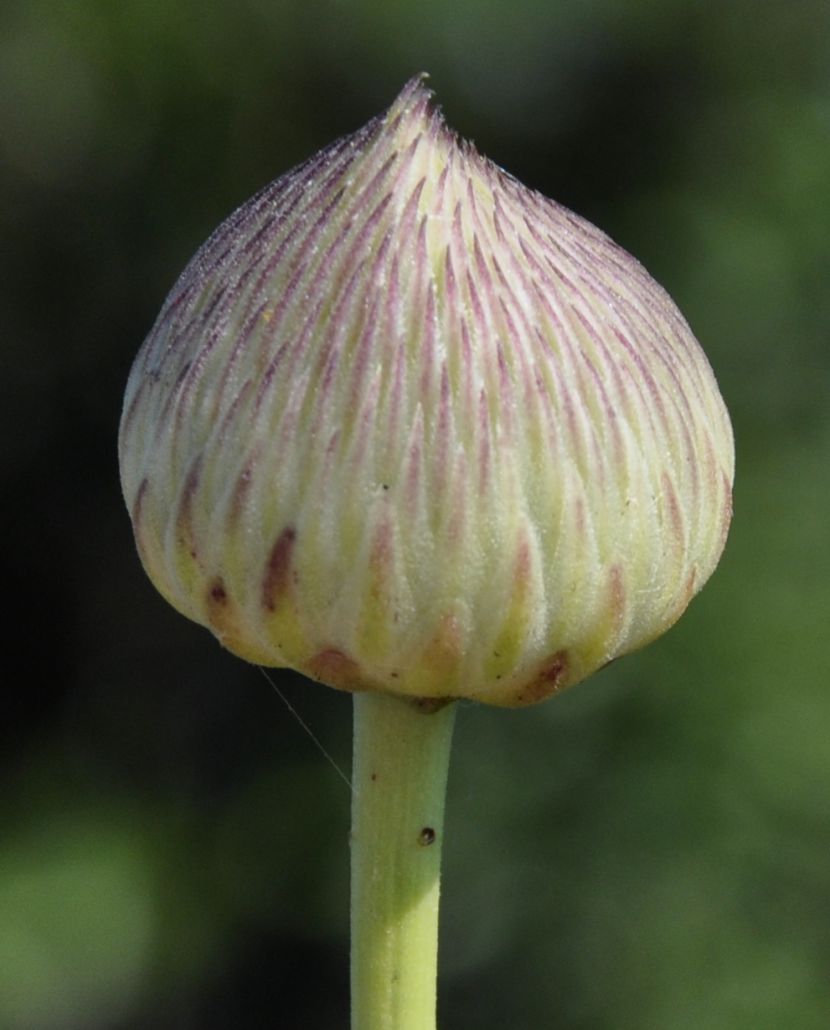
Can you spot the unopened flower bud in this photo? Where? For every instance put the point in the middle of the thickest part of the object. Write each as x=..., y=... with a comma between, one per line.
x=405, y=425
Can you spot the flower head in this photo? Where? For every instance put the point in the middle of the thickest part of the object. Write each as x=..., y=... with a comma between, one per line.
x=405, y=425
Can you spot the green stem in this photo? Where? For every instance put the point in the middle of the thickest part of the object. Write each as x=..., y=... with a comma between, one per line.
x=399, y=780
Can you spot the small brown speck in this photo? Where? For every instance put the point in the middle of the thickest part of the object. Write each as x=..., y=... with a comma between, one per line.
x=219, y=608
x=139, y=500
x=332, y=667
x=429, y=705
x=185, y=536
x=552, y=677
x=278, y=569
x=426, y=837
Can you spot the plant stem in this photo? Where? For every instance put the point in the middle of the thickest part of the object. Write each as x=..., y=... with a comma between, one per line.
x=399, y=779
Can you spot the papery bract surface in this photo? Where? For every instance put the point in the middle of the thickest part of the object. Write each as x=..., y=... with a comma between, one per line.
x=405, y=425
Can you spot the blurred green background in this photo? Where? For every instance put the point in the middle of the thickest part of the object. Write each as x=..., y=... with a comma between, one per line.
x=651, y=851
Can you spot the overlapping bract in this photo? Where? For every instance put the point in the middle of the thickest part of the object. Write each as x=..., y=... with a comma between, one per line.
x=406, y=425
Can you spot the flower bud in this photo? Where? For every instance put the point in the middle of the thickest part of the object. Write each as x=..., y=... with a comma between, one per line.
x=405, y=425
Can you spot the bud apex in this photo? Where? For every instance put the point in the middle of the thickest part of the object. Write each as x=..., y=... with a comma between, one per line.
x=405, y=425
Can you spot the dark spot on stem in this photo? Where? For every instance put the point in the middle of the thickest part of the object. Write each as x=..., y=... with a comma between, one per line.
x=426, y=837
